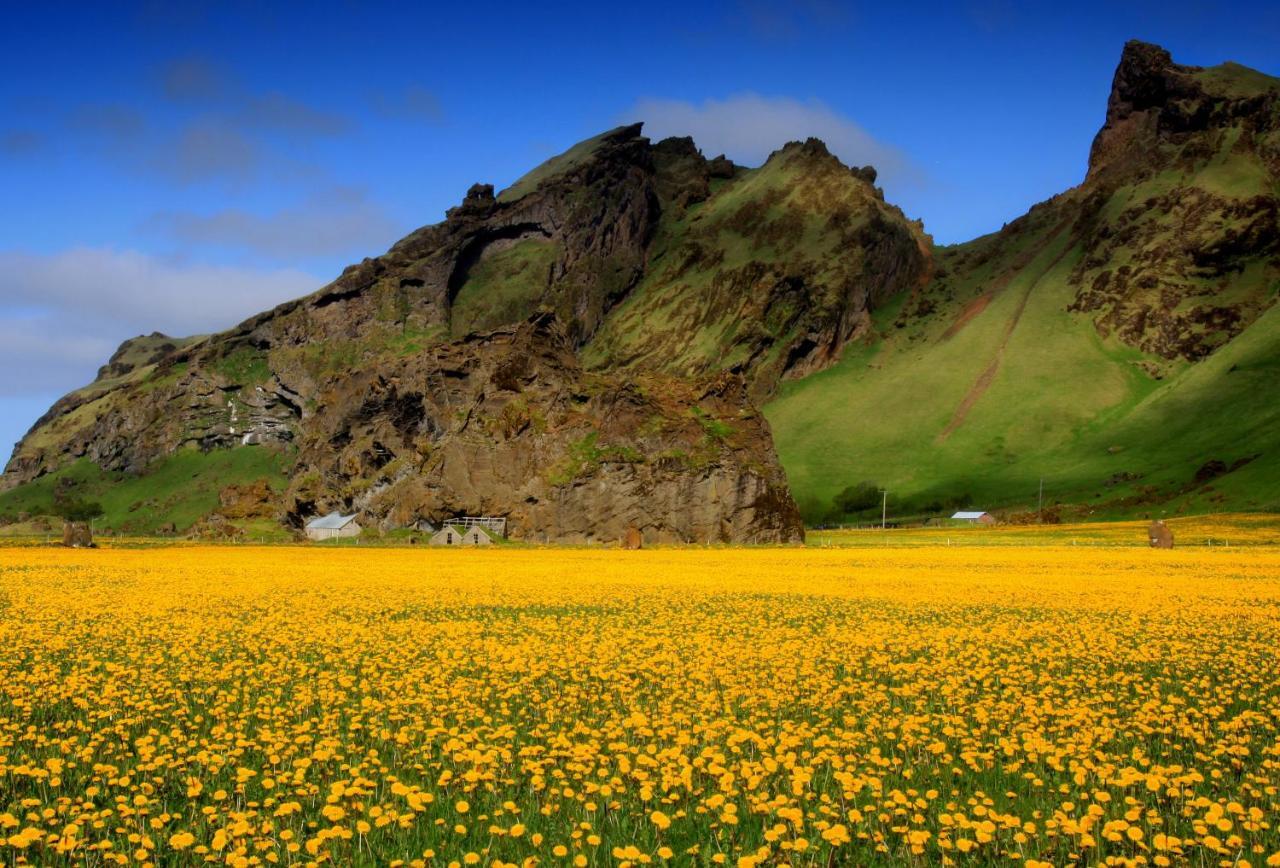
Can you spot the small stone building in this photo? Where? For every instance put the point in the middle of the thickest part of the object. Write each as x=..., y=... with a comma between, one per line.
x=477, y=536
x=333, y=526
x=447, y=536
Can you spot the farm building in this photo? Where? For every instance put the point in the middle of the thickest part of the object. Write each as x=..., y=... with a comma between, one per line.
x=974, y=517
x=452, y=535
x=333, y=526
x=447, y=536
x=477, y=536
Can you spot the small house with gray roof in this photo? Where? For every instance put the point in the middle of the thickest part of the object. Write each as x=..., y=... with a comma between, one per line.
x=335, y=525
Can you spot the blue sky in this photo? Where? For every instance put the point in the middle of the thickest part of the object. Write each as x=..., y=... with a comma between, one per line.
x=179, y=166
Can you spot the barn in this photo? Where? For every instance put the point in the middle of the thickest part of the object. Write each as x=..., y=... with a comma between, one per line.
x=974, y=517
x=333, y=526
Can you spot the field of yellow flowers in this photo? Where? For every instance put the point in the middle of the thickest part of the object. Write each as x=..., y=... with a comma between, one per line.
x=931, y=705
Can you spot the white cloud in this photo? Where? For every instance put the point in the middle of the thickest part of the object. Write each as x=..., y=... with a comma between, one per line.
x=748, y=127
x=62, y=315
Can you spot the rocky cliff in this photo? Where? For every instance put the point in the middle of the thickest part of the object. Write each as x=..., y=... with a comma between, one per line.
x=1179, y=215
x=507, y=423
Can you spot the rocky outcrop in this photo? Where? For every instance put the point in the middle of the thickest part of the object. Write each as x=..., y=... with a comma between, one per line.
x=771, y=277
x=1155, y=102
x=1165, y=220
x=507, y=423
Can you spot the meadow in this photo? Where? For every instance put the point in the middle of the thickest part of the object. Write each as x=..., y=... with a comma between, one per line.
x=929, y=704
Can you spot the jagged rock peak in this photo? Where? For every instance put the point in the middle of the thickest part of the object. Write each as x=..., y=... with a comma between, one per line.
x=1145, y=78
x=810, y=149
x=1156, y=101
x=814, y=151
x=478, y=202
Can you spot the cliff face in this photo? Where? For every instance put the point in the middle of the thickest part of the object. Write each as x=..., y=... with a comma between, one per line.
x=1179, y=216
x=507, y=423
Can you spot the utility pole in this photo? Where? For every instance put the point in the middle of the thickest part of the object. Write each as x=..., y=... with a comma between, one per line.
x=884, y=507
x=1040, y=507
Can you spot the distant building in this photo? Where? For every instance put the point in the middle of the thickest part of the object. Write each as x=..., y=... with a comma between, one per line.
x=477, y=536
x=333, y=526
x=974, y=517
x=447, y=536
x=470, y=531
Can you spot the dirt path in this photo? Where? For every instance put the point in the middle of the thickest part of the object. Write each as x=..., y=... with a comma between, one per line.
x=988, y=375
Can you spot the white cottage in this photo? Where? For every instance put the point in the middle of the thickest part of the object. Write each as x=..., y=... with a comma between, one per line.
x=333, y=526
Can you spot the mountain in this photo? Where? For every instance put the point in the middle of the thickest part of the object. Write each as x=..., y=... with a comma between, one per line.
x=561, y=252
x=1120, y=341
x=590, y=349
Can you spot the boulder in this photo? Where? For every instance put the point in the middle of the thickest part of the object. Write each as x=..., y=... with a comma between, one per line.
x=77, y=535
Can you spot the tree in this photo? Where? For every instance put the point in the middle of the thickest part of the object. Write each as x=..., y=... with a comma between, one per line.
x=854, y=499
x=70, y=508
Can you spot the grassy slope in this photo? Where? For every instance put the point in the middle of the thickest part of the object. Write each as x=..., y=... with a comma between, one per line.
x=1058, y=401
x=553, y=167
x=1063, y=404
x=181, y=489
x=691, y=312
x=503, y=288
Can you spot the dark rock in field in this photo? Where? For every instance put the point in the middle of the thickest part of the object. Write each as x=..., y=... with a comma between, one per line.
x=77, y=535
x=1210, y=470
x=1160, y=536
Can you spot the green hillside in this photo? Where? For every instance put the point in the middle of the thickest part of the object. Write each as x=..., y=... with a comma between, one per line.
x=179, y=490
x=1120, y=342
x=1025, y=391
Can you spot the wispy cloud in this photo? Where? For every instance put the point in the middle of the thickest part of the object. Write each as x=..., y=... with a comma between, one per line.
x=21, y=143
x=333, y=222
x=61, y=315
x=193, y=79
x=786, y=20
x=414, y=103
x=748, y=127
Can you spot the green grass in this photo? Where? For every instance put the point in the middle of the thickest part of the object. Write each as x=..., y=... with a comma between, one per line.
x=181, y=488
x=553, y=167
x=244, y=366
x=504, y=287
x=1064, y=405
x=1233, y=80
